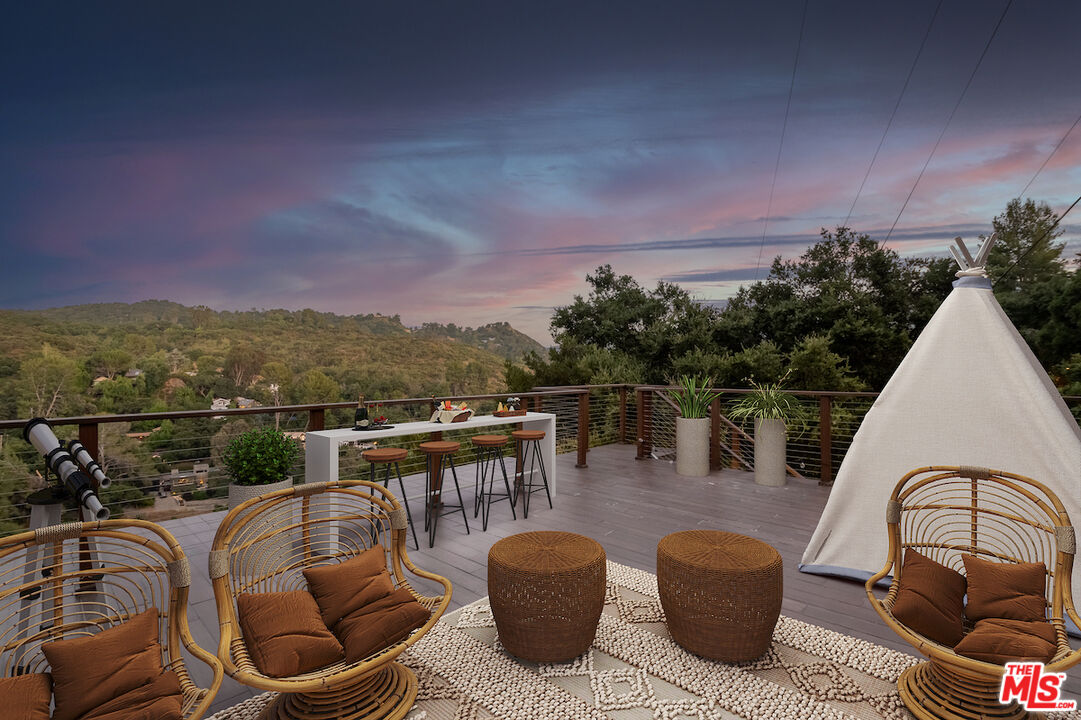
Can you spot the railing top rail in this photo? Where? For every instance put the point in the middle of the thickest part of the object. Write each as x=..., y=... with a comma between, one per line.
x=267, y=409
x=744, y=391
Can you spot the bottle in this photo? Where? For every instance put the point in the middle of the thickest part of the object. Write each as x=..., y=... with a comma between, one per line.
x=360, y=418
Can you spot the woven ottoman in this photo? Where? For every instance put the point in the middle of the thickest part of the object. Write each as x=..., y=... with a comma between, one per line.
x=721, y=593
x=546, y=590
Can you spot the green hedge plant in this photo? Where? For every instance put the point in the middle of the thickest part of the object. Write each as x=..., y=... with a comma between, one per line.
x=260, y=457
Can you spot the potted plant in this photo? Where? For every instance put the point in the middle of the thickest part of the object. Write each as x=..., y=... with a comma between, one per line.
x=692, y=426
x=773, y=411
x=259, y=461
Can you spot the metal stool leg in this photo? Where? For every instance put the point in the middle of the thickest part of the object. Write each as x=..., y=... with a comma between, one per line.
x=457, y=489
x=478, y=481
x=544, y=475
x=497, y=453
x=405, y=501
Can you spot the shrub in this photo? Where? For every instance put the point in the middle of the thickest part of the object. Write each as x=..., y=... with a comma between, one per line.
x=260, y=457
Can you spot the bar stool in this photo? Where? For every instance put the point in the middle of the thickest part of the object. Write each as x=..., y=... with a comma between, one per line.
x=388, y=457
x=440, y=453
x=528, y=442
x=489, y=449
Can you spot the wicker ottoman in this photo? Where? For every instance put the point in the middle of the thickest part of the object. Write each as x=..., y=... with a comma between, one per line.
x=721, y=593
x=546, y=591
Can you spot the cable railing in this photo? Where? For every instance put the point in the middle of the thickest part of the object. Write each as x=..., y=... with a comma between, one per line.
x=166, y=465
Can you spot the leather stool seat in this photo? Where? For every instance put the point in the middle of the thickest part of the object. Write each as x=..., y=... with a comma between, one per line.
x=528, y=434
x=439, y=447
x=385, y=455
x=489, y=440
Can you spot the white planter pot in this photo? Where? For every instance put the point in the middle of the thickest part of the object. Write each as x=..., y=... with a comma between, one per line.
x=692, y=446
x=242, y=493
x=770, y=446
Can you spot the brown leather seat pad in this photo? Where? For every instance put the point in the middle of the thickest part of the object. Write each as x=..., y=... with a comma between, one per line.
x=439, y=447
x=385, y=455
x=489, y=440
x=528, y=434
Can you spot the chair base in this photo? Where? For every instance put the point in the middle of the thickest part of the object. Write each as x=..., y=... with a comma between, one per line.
x=387, y=694
x=931, y=691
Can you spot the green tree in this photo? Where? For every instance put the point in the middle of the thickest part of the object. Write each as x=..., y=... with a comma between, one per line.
x=815, y=366
x=1016, y=230
x=51, y=384
x=652, y=327
x=867, y=300
x=242, y=363
x=316, y=387
x=110, y=362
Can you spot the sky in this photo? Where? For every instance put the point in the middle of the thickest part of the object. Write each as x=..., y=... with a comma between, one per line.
x=472, y=162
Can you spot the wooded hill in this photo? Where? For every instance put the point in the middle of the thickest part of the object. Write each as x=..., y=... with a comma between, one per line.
x=160, y=355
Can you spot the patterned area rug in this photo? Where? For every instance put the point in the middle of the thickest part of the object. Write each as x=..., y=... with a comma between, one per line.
x=634, y=670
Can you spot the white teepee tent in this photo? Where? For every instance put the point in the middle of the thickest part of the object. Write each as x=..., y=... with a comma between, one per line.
x=969, y=392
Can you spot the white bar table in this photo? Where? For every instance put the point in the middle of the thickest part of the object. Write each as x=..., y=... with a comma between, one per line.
x=321, y=446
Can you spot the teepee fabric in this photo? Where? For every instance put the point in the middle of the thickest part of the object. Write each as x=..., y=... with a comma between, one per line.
x=969, y=392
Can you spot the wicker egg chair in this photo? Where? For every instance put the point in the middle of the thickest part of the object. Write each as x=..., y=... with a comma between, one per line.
x=265, y=544
x=75, y=579
x=944, y=512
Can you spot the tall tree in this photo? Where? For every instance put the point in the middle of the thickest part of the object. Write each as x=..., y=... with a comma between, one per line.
x=51, y=384
x=242, y=363
x=1017, y=230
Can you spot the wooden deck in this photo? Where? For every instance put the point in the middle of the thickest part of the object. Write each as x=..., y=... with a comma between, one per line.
x=628, y=506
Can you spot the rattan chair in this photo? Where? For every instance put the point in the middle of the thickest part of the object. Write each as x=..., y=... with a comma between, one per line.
x=265, y=544
x=76, y=579
x=944, y=512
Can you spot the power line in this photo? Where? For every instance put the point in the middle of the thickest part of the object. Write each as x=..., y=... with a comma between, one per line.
x=780, y=146
x=1039, y=240
x=1048, y=158
x=897, y=105
x=950, y=118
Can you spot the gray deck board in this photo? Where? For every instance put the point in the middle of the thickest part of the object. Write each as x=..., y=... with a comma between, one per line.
x=628, y=506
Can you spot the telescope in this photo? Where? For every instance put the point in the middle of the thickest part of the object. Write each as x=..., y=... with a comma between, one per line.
x=40, y=434
x=87, y=461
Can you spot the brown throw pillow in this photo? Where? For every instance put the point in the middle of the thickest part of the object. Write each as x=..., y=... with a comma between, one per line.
x=380, y=624
x=1014, y=591
x=90, y=671
x=343, y=588
x=26, y=697
x=284, y=634
x=930, y=599
x=160, y=699
x=1001, y=641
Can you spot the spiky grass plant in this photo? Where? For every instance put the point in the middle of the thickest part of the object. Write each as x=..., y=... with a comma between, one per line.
x=768, y=401
x=694, y=397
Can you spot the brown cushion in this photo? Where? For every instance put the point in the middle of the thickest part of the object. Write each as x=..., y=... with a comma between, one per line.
x=284, y=633
x=160, y=699
x=342, y=588
x=380, y=624
x=1000, y=641
x=26, y=697
x=1014, y=591
x=125, y=657
x=930, y=599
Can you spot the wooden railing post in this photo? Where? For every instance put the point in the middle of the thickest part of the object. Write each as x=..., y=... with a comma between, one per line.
x=88, y=436
x=825, y=439
x=623, y=413
x=645, y=432
x=715, y=434
x=583, y=429
x=317, y=419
